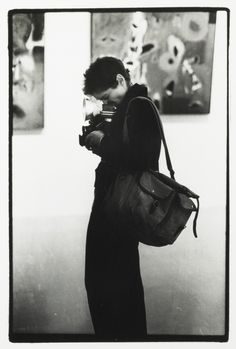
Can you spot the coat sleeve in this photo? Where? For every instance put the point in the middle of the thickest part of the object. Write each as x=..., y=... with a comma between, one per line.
x=111, y=147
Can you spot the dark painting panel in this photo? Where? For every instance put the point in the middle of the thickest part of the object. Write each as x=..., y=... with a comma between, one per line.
x=28, y=71
x=172, y=53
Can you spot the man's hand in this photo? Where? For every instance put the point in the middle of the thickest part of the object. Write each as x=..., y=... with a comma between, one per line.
x=93, y=140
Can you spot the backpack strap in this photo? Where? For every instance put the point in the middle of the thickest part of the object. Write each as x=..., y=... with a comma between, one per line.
x=195, y=219
x=160, y=127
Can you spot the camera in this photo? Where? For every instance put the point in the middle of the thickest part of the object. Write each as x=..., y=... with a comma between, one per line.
x=100, y=121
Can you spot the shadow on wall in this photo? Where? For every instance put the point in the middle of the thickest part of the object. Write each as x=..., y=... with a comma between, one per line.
x=184, y=283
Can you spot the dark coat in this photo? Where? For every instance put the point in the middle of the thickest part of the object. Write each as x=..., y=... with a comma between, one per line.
x=112, y=272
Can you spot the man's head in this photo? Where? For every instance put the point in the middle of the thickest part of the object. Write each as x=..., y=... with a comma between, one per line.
x=107, y=79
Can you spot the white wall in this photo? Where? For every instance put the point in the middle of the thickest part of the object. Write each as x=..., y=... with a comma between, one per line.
x=53, y=178
x=51, y=172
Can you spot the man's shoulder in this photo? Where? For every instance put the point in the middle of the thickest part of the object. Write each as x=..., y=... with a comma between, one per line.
x=141, y=102
x=139, y=90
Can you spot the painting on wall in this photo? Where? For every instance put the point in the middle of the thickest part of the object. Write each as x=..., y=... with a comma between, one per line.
x=27, y=71
x=171, y=53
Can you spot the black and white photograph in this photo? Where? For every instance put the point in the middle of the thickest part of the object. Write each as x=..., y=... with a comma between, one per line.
x=118, y=173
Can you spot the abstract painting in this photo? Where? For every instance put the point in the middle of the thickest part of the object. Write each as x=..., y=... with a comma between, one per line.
x=171, y=53
x=27, y=71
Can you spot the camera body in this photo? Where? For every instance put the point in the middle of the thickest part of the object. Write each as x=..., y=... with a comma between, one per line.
x=99, y=121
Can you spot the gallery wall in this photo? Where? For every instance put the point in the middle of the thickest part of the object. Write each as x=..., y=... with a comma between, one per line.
x=53, y=192
x=51, y=171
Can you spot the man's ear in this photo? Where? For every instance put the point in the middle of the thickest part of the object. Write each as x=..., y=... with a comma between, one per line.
x=120, y=79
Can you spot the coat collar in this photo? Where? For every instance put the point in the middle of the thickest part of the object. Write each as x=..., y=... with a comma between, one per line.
x=136, y=90
x=133, y=91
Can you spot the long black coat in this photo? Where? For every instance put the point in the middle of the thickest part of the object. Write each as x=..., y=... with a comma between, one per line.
x=112, y=272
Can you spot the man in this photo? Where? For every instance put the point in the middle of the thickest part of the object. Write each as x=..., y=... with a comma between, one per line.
x=112, y=271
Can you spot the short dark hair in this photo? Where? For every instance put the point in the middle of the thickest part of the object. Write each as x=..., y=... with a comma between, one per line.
x=102, y=73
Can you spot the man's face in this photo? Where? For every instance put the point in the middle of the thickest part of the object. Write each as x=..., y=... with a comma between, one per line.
x=113, y=95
